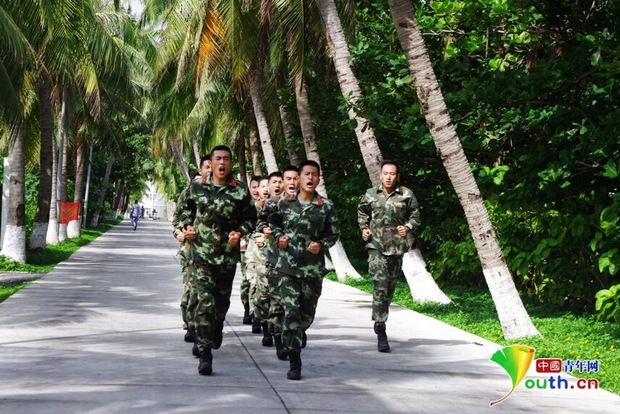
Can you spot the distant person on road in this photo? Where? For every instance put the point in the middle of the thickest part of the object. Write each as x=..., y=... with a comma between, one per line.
x=134, y=214
x=304, y=227
x=216, y=213
x=386, y=215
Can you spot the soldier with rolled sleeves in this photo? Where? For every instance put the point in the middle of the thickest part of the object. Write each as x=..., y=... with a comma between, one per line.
x=386, y=215
x=306, y=227
x=217, y=211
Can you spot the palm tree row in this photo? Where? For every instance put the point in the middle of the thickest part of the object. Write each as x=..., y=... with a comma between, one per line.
x=218, y=74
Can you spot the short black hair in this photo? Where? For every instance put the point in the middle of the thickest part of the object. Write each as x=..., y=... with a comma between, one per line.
x=390, y=162
x=274, y=174
x=290, y=168
x=203, y=159
x=256, y=178
x=220, y=148
x=135, y=202
x=311, y=163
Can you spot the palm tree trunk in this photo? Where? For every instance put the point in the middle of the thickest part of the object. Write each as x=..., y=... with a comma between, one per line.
x=513, y=317
x=263, y=126
x=42, y=216
x=52, y=228
x=349, y=86
x=253, y=138
x=340, y=260
x=73, y=228
x=104, y=186
x=287, y=128
x=14, y=241
x=371, y=153
x=197, y=155
x=180, y=160
x=62, y=182
x=243, y=169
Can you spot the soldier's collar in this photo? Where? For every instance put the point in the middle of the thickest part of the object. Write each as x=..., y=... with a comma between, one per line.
x=396, y=189
x=231, y=181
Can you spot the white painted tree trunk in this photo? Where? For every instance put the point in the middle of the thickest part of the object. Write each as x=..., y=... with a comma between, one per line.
x=421, y=283
x=73, y=229
x=512, y=315
x=14, y=243
x=39, y=235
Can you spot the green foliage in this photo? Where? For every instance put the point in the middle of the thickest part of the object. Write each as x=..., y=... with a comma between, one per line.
x=608, y=304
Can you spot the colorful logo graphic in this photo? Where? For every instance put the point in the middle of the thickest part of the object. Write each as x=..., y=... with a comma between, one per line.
x=516, y=360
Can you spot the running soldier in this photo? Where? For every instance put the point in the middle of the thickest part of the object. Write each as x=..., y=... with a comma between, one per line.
x=385, y=216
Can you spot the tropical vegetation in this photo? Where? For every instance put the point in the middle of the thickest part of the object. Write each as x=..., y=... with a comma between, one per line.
x=502, y=115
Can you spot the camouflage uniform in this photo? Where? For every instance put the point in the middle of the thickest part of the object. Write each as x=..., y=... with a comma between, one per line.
x=244, y=288
x=382, y=213
x=301, y=272
x=214, y=211
x=188, y=298
x=275, y=309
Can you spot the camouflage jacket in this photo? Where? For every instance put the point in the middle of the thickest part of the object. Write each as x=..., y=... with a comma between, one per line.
x=269, y=208
x=177, y=228
x=382, y=213
x=215, y=211
x=304, y=223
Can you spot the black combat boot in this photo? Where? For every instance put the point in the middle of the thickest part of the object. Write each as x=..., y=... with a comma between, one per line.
x=247, y=318
x=281, y=350
x=294, y=372
x=218, y=335
x=382, y=341
x=267, y=338
x=195, y=350
x=256, y=328
x=205, y=367
x=189, y=335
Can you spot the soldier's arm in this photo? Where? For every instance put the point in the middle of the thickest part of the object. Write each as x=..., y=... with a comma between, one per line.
x=248, y=215
x=413, y=214
x=331, y=232
x=187, y=209
x=364, y=212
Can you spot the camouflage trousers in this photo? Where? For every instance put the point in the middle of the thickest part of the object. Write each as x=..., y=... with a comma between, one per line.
x=299, y=298
x=261, y=298
x=213, y=286
x=189, y=299
x=276, y=311
x=244, y=288
x=385, y=271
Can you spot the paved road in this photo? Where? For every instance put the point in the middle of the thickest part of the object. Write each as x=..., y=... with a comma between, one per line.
x=102, y=334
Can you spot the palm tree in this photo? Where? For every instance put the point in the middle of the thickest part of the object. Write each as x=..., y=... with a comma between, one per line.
x=513, y=317
x=421, y=283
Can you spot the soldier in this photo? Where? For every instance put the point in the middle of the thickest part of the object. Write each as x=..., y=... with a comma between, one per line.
x=306, y=227
x=385, y=216
x=261, y=296
x=188, y=298
x=245, y=283
x=290, y=177
x=254, y=255
x=216, y=212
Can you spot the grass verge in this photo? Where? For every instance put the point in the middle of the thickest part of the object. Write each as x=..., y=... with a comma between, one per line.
x=45, y=261
x=564, y=335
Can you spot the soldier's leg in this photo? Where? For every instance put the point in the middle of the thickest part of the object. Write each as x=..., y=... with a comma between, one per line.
x=261, y=303
x=276, y=314
x=204, y=312
x=311, y=291
x=290, y=295
x=223, y=290
x=378, y=269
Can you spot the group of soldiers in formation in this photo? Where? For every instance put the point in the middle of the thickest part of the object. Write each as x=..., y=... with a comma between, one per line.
x=279, y=229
